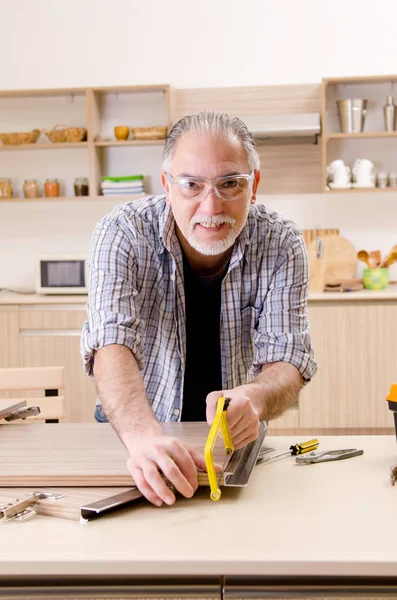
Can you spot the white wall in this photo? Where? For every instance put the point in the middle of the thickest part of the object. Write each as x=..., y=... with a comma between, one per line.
x=78, y=43
x=193, y=43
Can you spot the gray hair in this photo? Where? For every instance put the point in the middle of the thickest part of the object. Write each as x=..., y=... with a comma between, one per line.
x=215, y=123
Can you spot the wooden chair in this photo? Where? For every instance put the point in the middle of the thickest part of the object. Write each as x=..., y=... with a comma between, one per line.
x=49, y=379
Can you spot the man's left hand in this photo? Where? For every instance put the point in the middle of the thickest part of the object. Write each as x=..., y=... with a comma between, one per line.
x=242, y=417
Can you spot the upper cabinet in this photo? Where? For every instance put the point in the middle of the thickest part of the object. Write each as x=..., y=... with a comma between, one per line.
x=359, y=128
x=70, y=134
x=290, y=163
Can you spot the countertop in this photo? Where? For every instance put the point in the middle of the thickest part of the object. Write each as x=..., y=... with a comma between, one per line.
x=15, y=298
x=330, y=519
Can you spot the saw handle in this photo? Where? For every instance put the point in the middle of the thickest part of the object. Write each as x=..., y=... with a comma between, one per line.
x=220, y=422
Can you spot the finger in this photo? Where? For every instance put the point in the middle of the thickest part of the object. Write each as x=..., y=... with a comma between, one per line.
x=245, y=437
x=144, y=487
x=244, y=423
x=185, y=462
x=212, y=401
x=199, y=459
x=152, y=476
x=237, y=409
x=174, y=474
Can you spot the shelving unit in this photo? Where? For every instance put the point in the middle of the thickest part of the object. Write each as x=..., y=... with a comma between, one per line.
x=99, y=110
x=380, y=145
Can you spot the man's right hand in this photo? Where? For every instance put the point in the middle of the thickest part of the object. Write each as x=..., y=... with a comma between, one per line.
x=155, y=455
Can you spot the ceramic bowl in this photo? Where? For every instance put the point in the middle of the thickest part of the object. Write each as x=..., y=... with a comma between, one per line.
x=121, y=132
x=376, y=279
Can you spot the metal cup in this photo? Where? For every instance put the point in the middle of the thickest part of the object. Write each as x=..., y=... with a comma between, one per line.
x=352, y=113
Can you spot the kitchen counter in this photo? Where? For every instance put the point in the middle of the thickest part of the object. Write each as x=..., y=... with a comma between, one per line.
x=11, y=298
x=389, y=294
x=317, y=522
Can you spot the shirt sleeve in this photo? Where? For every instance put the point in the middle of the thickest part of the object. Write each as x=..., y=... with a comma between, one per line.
x=113, y=314
x=283, y=332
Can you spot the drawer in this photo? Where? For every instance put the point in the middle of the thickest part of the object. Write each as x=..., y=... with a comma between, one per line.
x=51, y=317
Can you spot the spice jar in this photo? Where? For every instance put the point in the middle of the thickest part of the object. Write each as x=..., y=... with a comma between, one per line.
x=81, y=186
x=31, y=188
x=51, y=188
x=5, y=188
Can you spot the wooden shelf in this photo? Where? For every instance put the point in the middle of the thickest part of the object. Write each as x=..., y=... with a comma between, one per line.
x=120, y=198
x=365, y=79
x=362, y=135
x=361, y=190
x=130, y=143
x=50, y=146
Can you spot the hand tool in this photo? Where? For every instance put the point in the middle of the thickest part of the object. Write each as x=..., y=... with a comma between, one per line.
x=23, y=413
x=327, y=456
x=220, y=422
x=296, y=449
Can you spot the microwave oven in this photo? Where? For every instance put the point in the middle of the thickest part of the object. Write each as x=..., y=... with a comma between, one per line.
x=61, y=275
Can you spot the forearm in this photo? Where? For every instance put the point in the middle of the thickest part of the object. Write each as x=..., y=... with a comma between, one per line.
x=275, y=389
x=123, y=396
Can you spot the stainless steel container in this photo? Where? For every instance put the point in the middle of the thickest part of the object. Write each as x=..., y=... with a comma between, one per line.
x=352, y=113
x=390, y=113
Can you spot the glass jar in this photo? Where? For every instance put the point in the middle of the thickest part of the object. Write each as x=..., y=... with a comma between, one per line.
x=51, y=188
x=81, y=186
x=31, y=188
x=5, y=188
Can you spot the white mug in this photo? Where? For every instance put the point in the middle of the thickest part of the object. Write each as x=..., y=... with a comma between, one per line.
x=342, y=175
x=363, y=166
x=334, y=166
x=365, y=180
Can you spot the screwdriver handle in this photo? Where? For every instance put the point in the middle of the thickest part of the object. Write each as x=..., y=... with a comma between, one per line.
x=304, y=447
x=295, y=450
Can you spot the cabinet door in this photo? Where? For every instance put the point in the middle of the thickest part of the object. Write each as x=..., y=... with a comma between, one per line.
x=50, y=336
x=286, y=424
x=9, y=341
x=355, y=347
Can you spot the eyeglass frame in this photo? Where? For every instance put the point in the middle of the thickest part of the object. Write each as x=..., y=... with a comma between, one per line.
x=210, y=183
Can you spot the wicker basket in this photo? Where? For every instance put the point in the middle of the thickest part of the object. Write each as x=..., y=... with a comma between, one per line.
x=67, y=134
x=149, y=133
x=15, y=139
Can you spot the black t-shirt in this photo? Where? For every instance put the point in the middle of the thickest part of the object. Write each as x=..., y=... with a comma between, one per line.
x=203, y=350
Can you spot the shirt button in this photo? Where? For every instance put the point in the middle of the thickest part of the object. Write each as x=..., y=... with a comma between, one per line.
x=176, y=412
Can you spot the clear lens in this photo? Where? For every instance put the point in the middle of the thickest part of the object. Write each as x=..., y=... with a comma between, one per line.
x=232, y=188
x=228, y=188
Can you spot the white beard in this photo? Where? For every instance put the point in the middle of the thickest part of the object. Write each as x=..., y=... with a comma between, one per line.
x=217, y=246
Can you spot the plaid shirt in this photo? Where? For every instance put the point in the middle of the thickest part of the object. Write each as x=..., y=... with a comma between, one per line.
x=137, y=299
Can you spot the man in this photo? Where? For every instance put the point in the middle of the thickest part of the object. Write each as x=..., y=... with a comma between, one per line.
x=192, y=295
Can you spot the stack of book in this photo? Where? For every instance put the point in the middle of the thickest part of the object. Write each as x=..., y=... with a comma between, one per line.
x=123, y=186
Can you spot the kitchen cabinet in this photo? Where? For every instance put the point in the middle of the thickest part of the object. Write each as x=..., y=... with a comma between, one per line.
x=50, y=336
x=98, y=111
x=355, y=347
x=374, y=143
x=354, y=342
x=9, y=341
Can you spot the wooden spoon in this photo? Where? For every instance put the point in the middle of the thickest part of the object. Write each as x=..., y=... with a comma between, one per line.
x=364, y=256
x=391, y=259
x=386, y=259
x=375, y=258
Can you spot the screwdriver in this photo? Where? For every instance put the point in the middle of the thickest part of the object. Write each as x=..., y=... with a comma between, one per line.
x=296, y=449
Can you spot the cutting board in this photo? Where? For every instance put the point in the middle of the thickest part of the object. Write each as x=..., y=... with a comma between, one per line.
x=340, y=258
x=79, y=454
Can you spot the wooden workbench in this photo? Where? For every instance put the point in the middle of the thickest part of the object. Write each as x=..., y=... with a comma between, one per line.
x=308, y=527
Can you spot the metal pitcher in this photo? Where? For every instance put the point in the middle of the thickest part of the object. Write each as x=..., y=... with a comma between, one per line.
x=352, y=113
